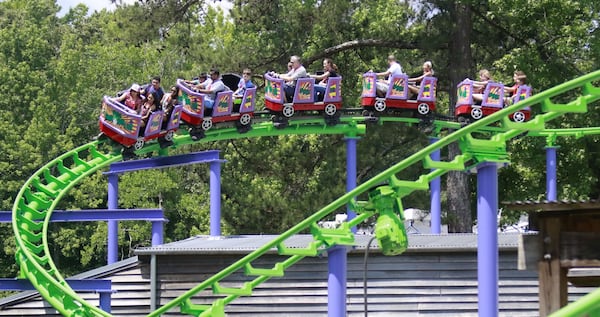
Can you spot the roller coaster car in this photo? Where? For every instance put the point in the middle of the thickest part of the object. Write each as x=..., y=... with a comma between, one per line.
x=223, y=111
x=303, y=99
x=493, y=100
x=123, y=125
x=397, y=95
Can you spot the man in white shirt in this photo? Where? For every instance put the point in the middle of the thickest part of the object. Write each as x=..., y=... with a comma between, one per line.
x=297, y=71
x=211, y=91
x=384, y=85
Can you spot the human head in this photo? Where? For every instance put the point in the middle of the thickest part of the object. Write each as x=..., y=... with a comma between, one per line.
x=296, y=61
x=153, y=98
x=519, y=76
x=202, y=77
x=156, y=82
x=427, y=66
x=214, y=74
x=290, y=65
x=246, y=73
x=484, y=74
x=174, y=91
x=135, y=88
x=328, y=65
x=391, y=59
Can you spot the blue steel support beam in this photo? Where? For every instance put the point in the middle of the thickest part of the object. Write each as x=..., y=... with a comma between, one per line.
x=436, y=193
x=163, y=162
x=100, y=286
x=98, y=215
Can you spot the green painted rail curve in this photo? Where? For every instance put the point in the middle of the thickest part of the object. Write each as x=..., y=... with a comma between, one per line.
x=41, y=193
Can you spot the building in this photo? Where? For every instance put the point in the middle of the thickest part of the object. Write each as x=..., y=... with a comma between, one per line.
x=436, y=276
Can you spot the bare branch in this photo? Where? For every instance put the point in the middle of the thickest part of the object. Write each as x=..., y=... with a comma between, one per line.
x=363, y=43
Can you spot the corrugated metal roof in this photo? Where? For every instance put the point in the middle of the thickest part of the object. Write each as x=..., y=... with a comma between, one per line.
x=547, y=205
x=247, y=243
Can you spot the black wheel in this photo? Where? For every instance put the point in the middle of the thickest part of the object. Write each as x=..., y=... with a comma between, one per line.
x=196, y=133
x=464, y=120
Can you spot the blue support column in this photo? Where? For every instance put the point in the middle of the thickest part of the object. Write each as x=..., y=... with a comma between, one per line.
x=436, y=193
x=351, y=171
x=551, y=173
x=487, y=238
x=157, y=233
x=336, y=283
x=337, y=257
x=215, y=198
x=113, y=225
x=105, y=301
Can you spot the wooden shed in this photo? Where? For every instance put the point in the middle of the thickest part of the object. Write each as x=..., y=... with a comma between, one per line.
x=565, y=249
x=437, y=276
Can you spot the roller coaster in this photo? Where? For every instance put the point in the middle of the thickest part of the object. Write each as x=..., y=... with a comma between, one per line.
x=42, y=192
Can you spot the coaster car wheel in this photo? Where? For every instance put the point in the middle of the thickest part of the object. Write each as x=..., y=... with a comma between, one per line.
x=245, y=119
x=476, y=113
x=519, y=116
x=288, y=111
x=207, y=124
x=379, y=105
x=423, y=108
x=330, y=109
x=169, y=135
x=139, y=144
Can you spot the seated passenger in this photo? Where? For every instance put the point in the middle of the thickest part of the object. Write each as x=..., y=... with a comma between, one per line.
x=168, y=104
x=155, y=87
x=479, y=86
x=427, y=71
x=211, y=91
x=170, y=97
x=244, y=83
x=201, y=82
x=132, y=99
x=394, y=69
x=520, y=79
x=150, y=105
x=297, y=71
x=330, y=70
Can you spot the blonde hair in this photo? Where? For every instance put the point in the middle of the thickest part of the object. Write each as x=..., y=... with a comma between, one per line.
x=429, y=65
x=485, y=73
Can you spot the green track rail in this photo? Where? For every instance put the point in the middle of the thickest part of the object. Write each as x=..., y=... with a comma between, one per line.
x=41, y=193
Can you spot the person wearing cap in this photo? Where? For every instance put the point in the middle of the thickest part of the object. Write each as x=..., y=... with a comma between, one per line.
x=132, y=98
x=200, y=82
x=211, y=91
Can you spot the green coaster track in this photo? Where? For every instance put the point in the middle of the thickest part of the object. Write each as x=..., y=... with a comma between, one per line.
x=41, y=193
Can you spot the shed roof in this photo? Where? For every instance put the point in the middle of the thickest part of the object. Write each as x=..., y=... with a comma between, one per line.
x=558, y=205
x=243, y=244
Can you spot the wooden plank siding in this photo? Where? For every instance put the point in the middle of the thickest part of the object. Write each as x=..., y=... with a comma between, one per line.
x=413, y=284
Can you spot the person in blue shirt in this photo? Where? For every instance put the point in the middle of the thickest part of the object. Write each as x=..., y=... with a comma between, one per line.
x=245, y=83
x=155, y=88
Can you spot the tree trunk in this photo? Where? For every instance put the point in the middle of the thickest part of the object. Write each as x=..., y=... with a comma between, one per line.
x=457, y=183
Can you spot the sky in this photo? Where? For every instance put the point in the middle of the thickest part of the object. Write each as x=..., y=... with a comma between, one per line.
x=95, y=5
